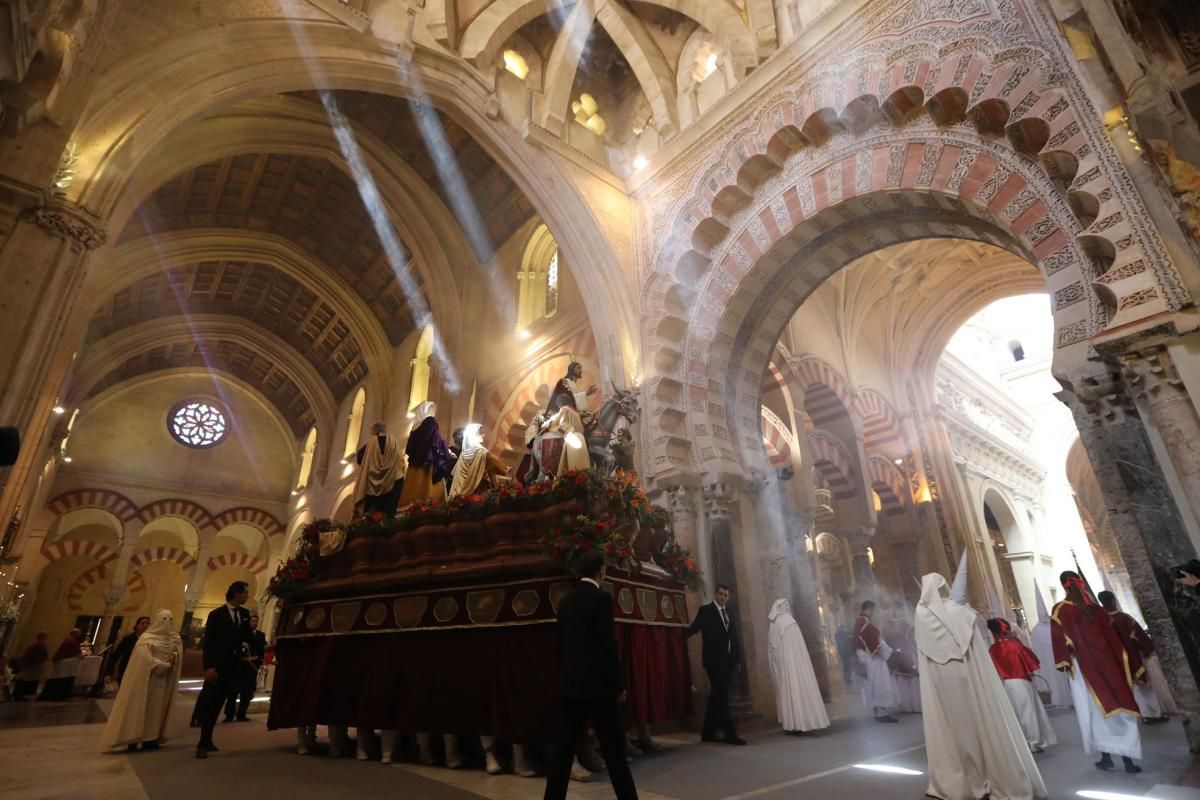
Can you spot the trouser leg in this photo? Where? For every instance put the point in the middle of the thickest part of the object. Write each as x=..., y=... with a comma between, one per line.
x=573, y=717
x=606, y=720
x=249, y=684
x=211, y=701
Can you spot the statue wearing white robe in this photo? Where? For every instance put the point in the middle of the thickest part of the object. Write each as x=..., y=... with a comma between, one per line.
x=797, y=694
x=142, y=711
x=975, y=746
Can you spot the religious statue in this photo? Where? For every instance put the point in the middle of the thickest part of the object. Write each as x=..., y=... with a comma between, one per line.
x=475, y=466
x=429, y=459
x=381, y=474
x=568, y=436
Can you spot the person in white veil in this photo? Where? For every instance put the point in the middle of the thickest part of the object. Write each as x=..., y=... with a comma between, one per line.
x=142, y=710
x=475, y=465
x=797, y=695
x=975, y=746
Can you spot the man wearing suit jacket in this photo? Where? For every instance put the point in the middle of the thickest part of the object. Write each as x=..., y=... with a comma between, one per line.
x=226, y=638
x=591, y=685
x=721, y=655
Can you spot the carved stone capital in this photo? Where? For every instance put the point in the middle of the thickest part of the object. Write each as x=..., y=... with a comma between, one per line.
x=1151, y=374
x=720, y=500
x=112, y=596
x=756, y=482
x=1103, y=397
x=70, y=223
x=681, y=501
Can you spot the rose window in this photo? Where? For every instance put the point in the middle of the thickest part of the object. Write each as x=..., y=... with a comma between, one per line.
x=197, y=424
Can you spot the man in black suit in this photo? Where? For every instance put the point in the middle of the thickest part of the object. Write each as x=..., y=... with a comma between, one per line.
x=226, y=640
x=721, y=655
x=247, y=681
x=591, y=685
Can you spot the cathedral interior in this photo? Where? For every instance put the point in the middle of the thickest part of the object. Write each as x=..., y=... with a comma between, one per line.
x=897, y=285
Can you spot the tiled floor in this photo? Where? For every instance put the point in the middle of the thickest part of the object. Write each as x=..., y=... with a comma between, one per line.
x=49, y=751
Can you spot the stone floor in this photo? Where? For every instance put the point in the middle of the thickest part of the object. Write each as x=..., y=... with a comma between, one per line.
x=47, y=751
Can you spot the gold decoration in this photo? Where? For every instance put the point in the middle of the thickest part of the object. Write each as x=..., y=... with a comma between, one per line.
x=315, y=618
x=409, y=610
x=526, y=602
x=343, y=615
x=483, y=607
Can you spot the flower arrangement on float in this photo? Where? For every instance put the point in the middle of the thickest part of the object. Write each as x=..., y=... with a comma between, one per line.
x=607, y=513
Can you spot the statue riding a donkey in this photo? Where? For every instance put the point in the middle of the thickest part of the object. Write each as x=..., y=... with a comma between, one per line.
x=562, y=437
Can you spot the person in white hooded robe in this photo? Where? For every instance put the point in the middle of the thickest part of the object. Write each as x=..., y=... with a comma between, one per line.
x=142, y=710
x=1040, y=644
x=975, y=745
x=797, y=694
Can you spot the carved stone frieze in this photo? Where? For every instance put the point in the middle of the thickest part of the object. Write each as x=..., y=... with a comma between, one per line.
x=720, y=500
x=65, y=222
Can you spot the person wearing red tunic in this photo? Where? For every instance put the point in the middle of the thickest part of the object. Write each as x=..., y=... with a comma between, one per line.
x=1017, y=664
x=872, y=652
x=898, y=633
x=1150, y=699
x=1088, y=649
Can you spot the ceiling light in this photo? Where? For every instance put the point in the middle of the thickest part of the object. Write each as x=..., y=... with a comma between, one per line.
x=294, y=493
x=66, y=459
x=524, y=333
x=515, y=63
x=640, y=162
x=59, y=410
x=889, y=769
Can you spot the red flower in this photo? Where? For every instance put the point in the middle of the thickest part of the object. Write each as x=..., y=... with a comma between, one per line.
x=690, y=564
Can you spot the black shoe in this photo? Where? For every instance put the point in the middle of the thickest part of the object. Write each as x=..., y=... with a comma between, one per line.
x=888, y=718
x=208, y=748
x=243, y=719
x=1131, y=767
x=734, y=740
x=151, y=746
x=708, y=737
x=793, y=733
x=131, y=748
x=1105, y=762
x=201, y=752
x=1156, y=720
x=229, y=719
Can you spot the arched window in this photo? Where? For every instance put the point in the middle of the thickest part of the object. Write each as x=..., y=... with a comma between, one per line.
x=306, y=460
x=538, y=279
x=355, y=422
x=418, y=391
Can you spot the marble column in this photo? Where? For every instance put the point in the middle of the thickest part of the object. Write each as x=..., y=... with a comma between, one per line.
x=1155, y=386
x=864, y=575
x=44, y=247
x=1146, y=524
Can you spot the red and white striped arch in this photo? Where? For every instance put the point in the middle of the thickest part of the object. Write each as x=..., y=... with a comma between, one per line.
x=826, y=392
x=832, y=458
x=80, y=586
x=120, y=506
x=881, y=423
x=176, y=507
x=237, y=560
x=247, y=515
x=887, y=482
x=777, y=439
x=164, y=553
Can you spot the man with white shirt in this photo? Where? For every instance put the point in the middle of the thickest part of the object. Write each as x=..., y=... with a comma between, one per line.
x=721, y=656
x=226, y=639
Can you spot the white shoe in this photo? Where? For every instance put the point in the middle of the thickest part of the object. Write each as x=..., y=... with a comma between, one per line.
x=386, y=758
x=361, y=755
x=492, y=766
x=578, y=773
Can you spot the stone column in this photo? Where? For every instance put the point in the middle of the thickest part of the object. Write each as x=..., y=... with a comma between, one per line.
x=681, y=501
x=113, y=596
x=1156, y=387
x=1146, y=524
x=864, y=575
x=44, y=247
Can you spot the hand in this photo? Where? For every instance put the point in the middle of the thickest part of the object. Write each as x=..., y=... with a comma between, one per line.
x=623, y=697
x=210, y=675
x=1187, y=578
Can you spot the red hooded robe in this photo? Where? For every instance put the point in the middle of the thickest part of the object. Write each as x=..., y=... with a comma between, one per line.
x=1108, y=668
x=1013, y=660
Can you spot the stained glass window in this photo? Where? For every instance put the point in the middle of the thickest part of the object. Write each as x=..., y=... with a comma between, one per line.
x=197, y=424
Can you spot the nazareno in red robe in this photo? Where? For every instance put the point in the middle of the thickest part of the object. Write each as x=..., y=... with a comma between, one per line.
x=1133, y=635
x=1108, y=668
x=1014, y=661
x=866, y=635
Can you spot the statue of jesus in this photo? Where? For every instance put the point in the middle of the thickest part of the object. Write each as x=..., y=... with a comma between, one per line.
x=567, y=391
